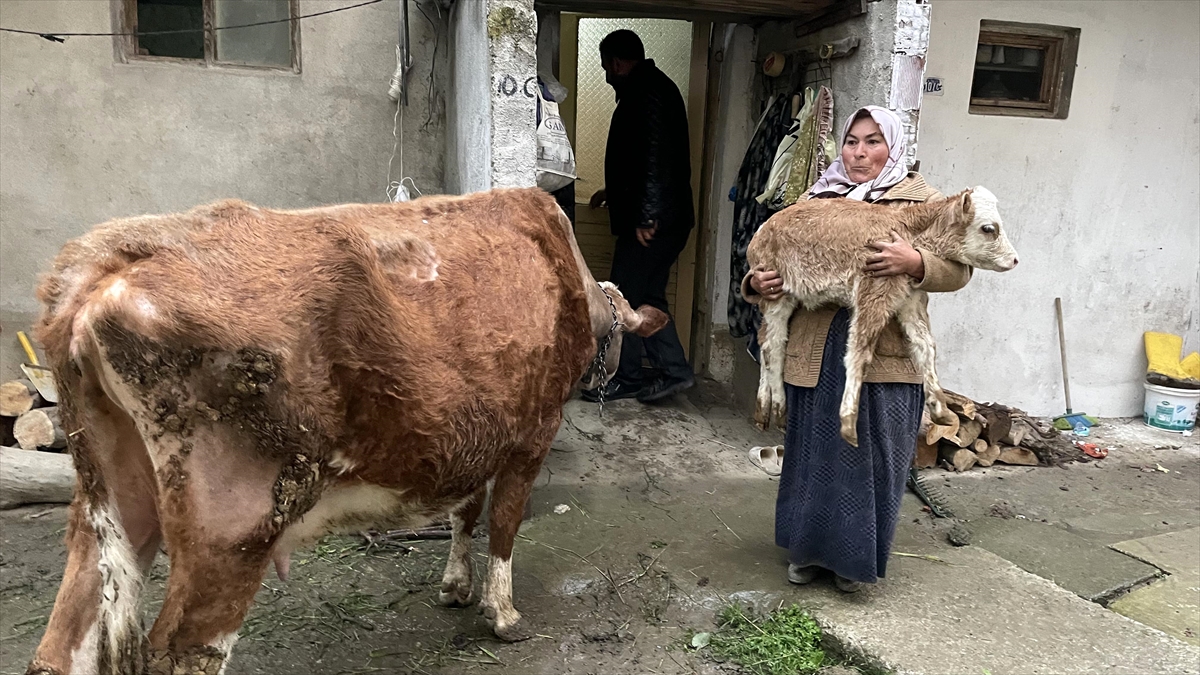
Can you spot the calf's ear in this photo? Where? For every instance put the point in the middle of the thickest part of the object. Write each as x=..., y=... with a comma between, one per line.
x=647, y=321
x=967, y=206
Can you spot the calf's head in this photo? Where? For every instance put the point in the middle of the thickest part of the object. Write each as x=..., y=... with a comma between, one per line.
x=984, y=243
x=612, y=317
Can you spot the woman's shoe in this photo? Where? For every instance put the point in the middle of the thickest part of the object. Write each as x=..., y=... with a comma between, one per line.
x=802, y=575
x=847, y=586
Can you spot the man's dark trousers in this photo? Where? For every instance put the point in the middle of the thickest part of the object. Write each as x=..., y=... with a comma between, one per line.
x=641, y=273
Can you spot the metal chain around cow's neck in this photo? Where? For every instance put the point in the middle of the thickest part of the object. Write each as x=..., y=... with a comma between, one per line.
x=598, y=362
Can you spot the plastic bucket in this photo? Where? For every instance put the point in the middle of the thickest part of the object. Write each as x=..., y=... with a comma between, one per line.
x=1170, y=409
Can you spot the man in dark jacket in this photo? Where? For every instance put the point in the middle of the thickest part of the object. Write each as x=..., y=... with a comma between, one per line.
x=647, y=178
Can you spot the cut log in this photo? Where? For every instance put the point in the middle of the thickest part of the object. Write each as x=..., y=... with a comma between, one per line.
x=1016, y=433
x=1017, y=456
x=35, y=478
x=968, y=433
x=979, y=446
x=988, y=455
x=960, y=404
x=927, y=454
x=18, y=397
x=40, y=428
x=997, y=424
x=937, y=432
x=960, y=458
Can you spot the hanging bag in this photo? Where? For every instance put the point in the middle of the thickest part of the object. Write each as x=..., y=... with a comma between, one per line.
x=555, y=158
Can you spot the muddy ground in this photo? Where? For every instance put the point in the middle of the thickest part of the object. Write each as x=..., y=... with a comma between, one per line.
x=667, y=522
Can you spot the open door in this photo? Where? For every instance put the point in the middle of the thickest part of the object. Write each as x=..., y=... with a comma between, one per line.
x=680, y=49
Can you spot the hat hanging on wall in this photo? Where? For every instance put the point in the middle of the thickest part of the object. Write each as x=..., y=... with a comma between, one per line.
x=773, y=64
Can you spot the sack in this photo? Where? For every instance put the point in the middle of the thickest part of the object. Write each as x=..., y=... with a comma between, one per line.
x=555, y=158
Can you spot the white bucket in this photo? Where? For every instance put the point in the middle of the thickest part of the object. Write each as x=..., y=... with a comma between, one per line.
x=1170, y=409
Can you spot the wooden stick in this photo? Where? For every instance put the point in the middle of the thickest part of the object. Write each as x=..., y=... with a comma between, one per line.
x=1062, y=350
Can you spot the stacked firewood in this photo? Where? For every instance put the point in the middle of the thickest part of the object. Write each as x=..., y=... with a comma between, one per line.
x=37, y=469
x=986, y=433
x=32, y=423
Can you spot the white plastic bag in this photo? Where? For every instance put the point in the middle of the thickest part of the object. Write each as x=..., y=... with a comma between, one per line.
x=555, y=158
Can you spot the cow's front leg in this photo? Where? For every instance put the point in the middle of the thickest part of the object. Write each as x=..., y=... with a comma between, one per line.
x=509, y=495
x=457, y=585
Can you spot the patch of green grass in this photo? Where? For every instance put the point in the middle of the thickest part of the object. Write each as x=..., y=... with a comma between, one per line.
x=788, y=642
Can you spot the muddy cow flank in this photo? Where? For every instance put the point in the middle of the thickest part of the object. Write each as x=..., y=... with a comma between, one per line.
x=241, y=381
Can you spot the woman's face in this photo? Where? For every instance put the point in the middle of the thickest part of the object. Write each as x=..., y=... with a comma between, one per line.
x=865, y=151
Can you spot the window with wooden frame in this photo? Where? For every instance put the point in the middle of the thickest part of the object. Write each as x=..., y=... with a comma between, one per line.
x=1024, y=69
x=199, y=31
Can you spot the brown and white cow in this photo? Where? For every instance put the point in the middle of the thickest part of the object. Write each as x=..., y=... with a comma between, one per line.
x=238, y=382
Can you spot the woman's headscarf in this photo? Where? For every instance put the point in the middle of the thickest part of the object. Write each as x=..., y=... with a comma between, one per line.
x=835, y=179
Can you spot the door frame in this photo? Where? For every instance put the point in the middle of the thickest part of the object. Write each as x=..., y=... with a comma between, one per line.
x=699, y=79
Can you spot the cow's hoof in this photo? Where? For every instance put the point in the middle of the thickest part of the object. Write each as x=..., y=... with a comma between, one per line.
x=509, y=630
x=455, y=595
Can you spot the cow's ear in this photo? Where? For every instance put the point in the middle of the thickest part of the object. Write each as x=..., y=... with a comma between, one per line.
x=649, y=321
x=965, y=203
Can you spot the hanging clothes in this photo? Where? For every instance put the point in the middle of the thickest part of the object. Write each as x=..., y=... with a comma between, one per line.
x=748, y=214
x=815, y=147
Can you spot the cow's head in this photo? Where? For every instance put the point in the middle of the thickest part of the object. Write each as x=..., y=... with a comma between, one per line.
x=985, y=245
x=612, y=318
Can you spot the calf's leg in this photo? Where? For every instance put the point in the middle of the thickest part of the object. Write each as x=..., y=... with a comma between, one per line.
x=457, y=580
x=875, y=302
x=771, y=402
x=914, y=319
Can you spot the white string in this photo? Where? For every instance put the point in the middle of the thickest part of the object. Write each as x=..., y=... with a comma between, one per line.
x=396, y=191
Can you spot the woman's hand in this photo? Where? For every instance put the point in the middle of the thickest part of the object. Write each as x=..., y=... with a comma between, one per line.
x=768, y=283
x=895, y=257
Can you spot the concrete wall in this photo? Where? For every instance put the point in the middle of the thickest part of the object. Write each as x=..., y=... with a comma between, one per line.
x=84, y=138
x=512, y=45
x=1102, y=206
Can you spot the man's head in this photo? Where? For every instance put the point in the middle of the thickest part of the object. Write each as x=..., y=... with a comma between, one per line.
x=620, y=51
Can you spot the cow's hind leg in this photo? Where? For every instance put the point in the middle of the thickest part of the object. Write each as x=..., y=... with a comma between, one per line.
x=112, y=538
x=457, y=580
x=772, y=403
x=914, y=319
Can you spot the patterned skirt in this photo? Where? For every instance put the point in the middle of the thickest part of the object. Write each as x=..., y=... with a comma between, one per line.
x=838, y=505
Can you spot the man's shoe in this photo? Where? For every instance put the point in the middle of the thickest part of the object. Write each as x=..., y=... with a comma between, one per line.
x=662, y=388
x=613, y=391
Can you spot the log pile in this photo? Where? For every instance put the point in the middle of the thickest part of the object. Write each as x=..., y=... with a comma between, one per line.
x=33, y=465
x=984, y=434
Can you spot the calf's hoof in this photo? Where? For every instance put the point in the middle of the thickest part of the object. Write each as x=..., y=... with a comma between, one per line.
x=455, y=595
x=779, y=414
x=762, y=415
x=510, y=629
x=850, y=431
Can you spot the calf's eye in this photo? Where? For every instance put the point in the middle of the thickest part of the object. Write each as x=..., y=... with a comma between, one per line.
x=989, y=229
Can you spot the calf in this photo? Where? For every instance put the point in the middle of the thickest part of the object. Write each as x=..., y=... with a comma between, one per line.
x=238, y=382
x=819, y=248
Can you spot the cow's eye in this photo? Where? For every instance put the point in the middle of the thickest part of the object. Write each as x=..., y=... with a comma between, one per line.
x=989, y=229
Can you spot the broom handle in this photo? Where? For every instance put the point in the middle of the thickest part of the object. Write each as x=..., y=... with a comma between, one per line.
x=1062, y=350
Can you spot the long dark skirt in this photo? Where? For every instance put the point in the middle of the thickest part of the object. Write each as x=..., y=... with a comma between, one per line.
x=838, y=505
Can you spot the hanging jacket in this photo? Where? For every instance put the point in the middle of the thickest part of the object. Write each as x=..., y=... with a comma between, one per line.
x=647, y=167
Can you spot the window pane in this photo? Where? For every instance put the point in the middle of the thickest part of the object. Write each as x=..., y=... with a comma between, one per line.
x=1008, y=73
x=158, y=15
x=269, y=45
x=667, y=41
